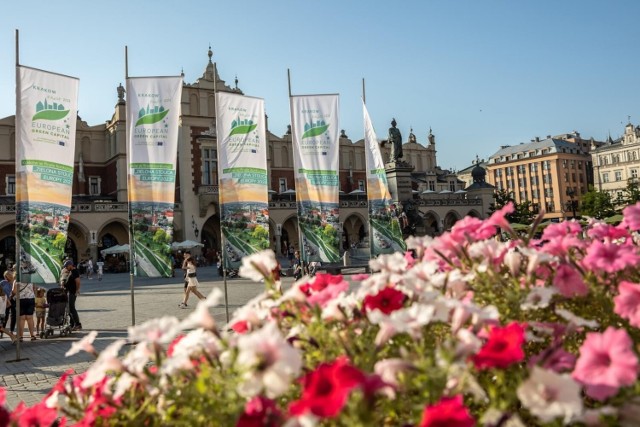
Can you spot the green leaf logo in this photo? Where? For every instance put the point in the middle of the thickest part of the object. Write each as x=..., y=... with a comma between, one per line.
x=46, y=111
x=314, y=129
x=149, y=116
x=242, y=127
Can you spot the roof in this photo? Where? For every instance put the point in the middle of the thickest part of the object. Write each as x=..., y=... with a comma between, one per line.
x=556, y=146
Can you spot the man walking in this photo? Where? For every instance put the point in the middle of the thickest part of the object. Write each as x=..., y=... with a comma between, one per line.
x=72, y=287
x=89, y=266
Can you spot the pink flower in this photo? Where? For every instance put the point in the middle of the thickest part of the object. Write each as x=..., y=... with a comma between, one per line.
x=260, y=412
x=609, y=257
x=449, y=411
x=569, y=282
x=606, y=363
x=498, y=218
x=503, y=348
x=37, y=415
x=632, y=217
x=602, y=231
x=324, y=288
x=627, y=303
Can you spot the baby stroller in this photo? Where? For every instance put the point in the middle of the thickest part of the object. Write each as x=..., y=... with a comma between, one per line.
x=58, y=315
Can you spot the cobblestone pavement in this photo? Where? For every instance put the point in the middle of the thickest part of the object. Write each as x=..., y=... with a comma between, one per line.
x=105, y=306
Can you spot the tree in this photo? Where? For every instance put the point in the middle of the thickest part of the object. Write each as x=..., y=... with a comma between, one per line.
x=631, y=194
x=597, y=204
x=523, y=213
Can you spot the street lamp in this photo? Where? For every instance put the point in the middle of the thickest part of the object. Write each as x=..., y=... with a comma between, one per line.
x=572, y=204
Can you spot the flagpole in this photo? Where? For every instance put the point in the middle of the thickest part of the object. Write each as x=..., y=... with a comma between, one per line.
x=303, y=255
x=222, y=239
x=132, y=261
x=371, y=241
x=17, y=273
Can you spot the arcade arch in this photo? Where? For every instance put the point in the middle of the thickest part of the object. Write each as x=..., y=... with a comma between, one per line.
x=450, y=219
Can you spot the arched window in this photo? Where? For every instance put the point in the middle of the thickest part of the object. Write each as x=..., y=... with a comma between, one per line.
x=194, y=105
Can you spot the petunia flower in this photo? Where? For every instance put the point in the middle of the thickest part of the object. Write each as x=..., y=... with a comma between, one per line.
x=260, y=412
x=549, y=395
x=569, y=282
x=632, y=217
x=502, y=349
x=387, y=300
x=538, y=298
x=85, y=344
x=258, y=266
x=610, y=257
x=627, y=302
x=606, y=363
x=449, y=411
x=157, y=331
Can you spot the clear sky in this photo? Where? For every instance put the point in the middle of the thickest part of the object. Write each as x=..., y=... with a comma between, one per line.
x=481, y=73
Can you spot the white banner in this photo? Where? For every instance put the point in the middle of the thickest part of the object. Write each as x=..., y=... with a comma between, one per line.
x=153, y=118
x=46, y=114
x=243, y=179
x=386, y=235
x=316, y=142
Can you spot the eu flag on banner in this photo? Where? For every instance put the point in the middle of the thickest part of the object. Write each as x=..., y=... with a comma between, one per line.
x=61, y=143
x=324, y=153
x=254, y=151
x=159, y=143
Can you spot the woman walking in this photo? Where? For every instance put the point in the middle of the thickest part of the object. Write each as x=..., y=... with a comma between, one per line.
x=27, y=307
x=192, y=283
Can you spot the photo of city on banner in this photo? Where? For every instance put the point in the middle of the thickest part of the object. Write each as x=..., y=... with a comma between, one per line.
x=44, y=187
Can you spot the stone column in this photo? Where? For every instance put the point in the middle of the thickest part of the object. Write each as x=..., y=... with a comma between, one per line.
x=399, y=181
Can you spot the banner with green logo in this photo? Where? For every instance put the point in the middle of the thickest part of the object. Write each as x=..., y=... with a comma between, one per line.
x=153, y=117
x=385, y=235
x=242, y=170
x=316, y=136
x=46, y=114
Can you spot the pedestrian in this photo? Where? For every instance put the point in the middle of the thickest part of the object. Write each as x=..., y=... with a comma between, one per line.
x=41, y=309
x=100, y=267
x=89, y=266
x=72, y=287
x=4, y=300
x=186, y=256
x=291, y=254
x=297, y=265
x=10, y=311
x=192, y=283
x=27, y=296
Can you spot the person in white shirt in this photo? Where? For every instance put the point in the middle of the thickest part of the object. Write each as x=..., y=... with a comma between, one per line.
x=100, y=266
x=89, y=267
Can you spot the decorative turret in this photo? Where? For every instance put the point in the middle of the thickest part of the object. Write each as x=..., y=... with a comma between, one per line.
x=431, y=138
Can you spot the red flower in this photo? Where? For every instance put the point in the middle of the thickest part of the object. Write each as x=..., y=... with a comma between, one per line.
x=325, y=390
x=387, y=300
x=260, y=412
x=37, y=415
x=241, y=326
x=449, y=411
x=503, y=347
x=320, y=282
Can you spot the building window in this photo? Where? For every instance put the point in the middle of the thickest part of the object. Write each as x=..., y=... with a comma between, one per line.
x=209, y=166
x=10, y=185
x=361, y=185
x=618, y=175
x=605, y=177
x=535, y=194
x=546, y=165
x=282, y=184
x=550, y=207
x=634, y=173
x=452, y=186
x=432, y=185
x=94, y=185
x=533, y=167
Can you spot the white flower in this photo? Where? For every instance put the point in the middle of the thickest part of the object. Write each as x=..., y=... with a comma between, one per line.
x=409, y=320
x=201, y=317
x=258, y=266
x=535, y=258
x=538, y=298
x=388, y=370
x=124, y=384
x=193, y=344
x=468, y=343
x=513, y=260
x=269, y=362
x=85, y=344
x=136, y=360
x=549, y=395
x=107, y=361
x=158, y=331
x=392, y=263
x=576, y=320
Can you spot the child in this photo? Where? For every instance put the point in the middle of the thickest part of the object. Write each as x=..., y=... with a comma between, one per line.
x=41, y=309
x=4, y=302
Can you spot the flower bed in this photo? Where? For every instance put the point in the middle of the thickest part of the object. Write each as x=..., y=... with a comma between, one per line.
x=463, y=330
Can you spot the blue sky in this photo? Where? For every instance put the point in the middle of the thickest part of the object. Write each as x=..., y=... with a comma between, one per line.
x=480, y=73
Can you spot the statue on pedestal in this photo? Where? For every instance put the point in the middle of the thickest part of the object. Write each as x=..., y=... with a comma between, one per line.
x=395, y=139
x=121, y=93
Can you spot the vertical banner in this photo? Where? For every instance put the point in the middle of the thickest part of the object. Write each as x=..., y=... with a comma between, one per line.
x=242, y=171
x=385, y=233
x=153, y=117
x=316, y=144
x=46, y=114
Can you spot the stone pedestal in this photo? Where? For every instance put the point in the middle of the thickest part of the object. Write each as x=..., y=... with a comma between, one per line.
x=399, y=180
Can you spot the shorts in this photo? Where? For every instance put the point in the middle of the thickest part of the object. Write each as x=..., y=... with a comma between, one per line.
x=40, y=314
x=27, y=306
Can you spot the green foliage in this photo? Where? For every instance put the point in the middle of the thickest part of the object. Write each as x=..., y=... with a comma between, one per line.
x=631, y=194
x=523, y=211
x=597, y=204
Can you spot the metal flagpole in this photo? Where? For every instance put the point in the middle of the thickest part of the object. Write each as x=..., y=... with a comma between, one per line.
x=368, y=167
x=132, y=261
x=223, y=241
x=17, y=274
x=303, y=255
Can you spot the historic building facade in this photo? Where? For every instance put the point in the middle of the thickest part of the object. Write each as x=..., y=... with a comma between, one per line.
x=616, y=162
x=99, y=204
x=552, y=173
